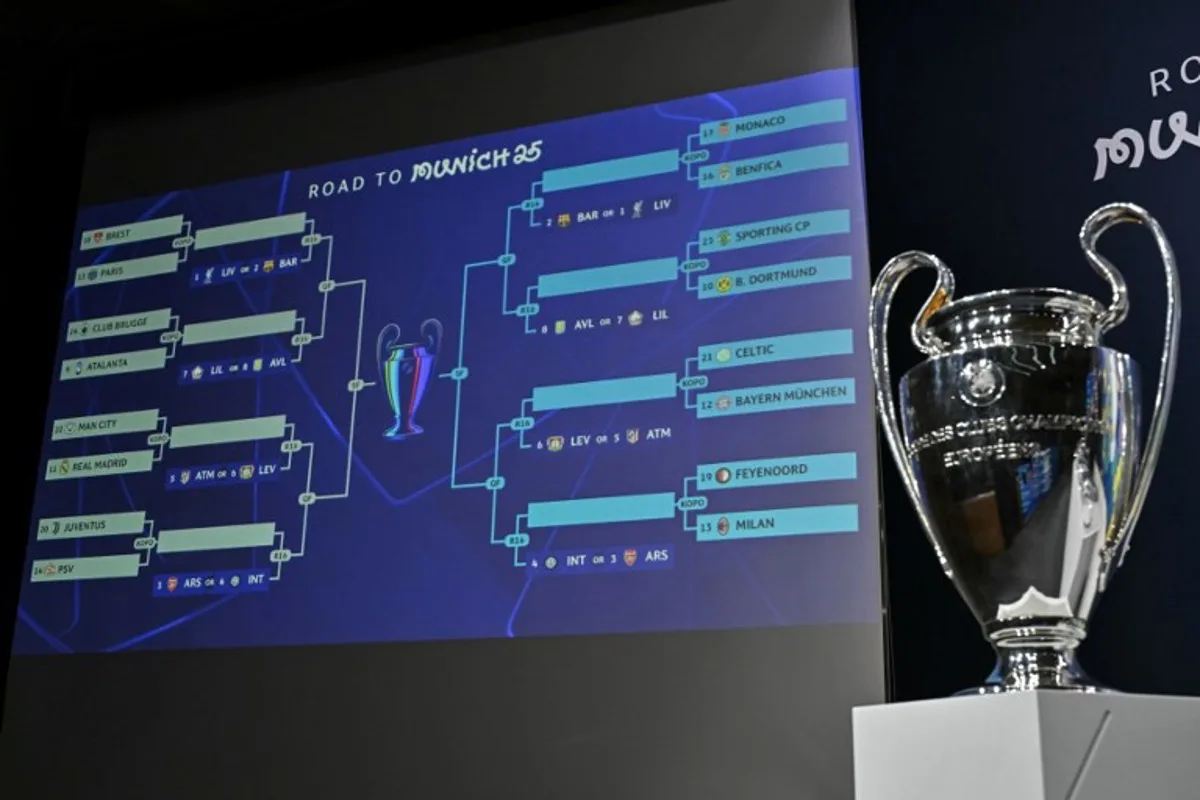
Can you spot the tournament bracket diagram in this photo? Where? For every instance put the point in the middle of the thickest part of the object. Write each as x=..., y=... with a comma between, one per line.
x=401, y=365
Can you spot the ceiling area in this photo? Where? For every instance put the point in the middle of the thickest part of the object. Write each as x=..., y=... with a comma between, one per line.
x=114, y=20
x=115, y=57
x=108, y=21
x=34, y=18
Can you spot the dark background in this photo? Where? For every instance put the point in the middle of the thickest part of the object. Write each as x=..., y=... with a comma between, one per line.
x=978, y=129
x=708, y=714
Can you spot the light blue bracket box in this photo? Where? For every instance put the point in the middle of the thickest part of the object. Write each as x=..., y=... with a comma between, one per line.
x=808, y=521
x=823, y=112
x=601, y=510
x=611, y=171
x=775, y=165
x=228, y=431
x=614, y=276
x=87, y=568
x=232, y=328
x=775, y=276
x=774, y=231
x=99, y=465
x=113, y=364
x=144, y=231
x=771, y=349
x=217, y=537
x=610, y=392
x=251, y=231
x=87, y=526
x=127, y=270
x=105, y=424
x=777, y=471
x=781, y=397
x=121, y=325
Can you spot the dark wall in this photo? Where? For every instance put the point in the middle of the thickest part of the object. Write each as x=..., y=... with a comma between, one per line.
x=703, y=714
x=979, y=128
x=40, y=159
x=57, y=76
x=979, y=146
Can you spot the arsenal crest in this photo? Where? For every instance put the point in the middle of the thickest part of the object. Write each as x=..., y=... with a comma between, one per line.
x=630, y=557
x=172, y=583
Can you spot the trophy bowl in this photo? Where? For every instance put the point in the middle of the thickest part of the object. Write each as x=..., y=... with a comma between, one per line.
x=1019, y=442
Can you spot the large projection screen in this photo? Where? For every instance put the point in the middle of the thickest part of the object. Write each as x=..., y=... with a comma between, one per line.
x=489, y=426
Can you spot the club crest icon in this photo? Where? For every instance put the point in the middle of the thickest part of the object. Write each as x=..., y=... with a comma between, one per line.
x=405, y=369
x=981, y=383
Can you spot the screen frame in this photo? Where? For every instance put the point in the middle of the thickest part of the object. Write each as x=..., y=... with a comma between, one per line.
x=100, y=122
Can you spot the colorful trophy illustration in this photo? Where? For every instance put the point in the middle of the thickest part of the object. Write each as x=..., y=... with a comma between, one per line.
x=405, y=369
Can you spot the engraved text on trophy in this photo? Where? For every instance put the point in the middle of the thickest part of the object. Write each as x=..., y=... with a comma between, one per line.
x=1006, y=434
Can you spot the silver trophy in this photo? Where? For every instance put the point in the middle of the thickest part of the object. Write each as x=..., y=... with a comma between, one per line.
x=1018, y=440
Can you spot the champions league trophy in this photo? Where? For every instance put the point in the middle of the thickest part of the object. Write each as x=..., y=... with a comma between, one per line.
x=405, y=370
x=1018, y=442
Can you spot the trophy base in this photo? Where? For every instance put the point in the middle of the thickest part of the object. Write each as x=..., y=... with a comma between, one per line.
x=1051, y=674
x=1029, y=745
x=1037, y=655
x=400, y=432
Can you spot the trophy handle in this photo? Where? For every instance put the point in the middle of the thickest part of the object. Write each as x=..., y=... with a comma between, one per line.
x=1093, y=228
x=882, y=295
x=383, y=343
x=432, y=331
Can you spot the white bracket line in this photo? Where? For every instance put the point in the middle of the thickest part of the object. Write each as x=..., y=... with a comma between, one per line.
x=289, y=433
x=325, y=295
x=278, y=545
x=362, y=310
x=300, y=347
x=162, y=428
x=186, y=233
x=148, y=530
x=175, y=323
x=357, y=384
x=303, y=517
x=310, y=227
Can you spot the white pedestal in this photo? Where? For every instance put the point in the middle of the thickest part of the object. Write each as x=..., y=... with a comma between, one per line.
x=1029, y=746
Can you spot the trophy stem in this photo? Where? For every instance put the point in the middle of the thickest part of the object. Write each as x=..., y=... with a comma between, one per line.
x=1037, y=654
